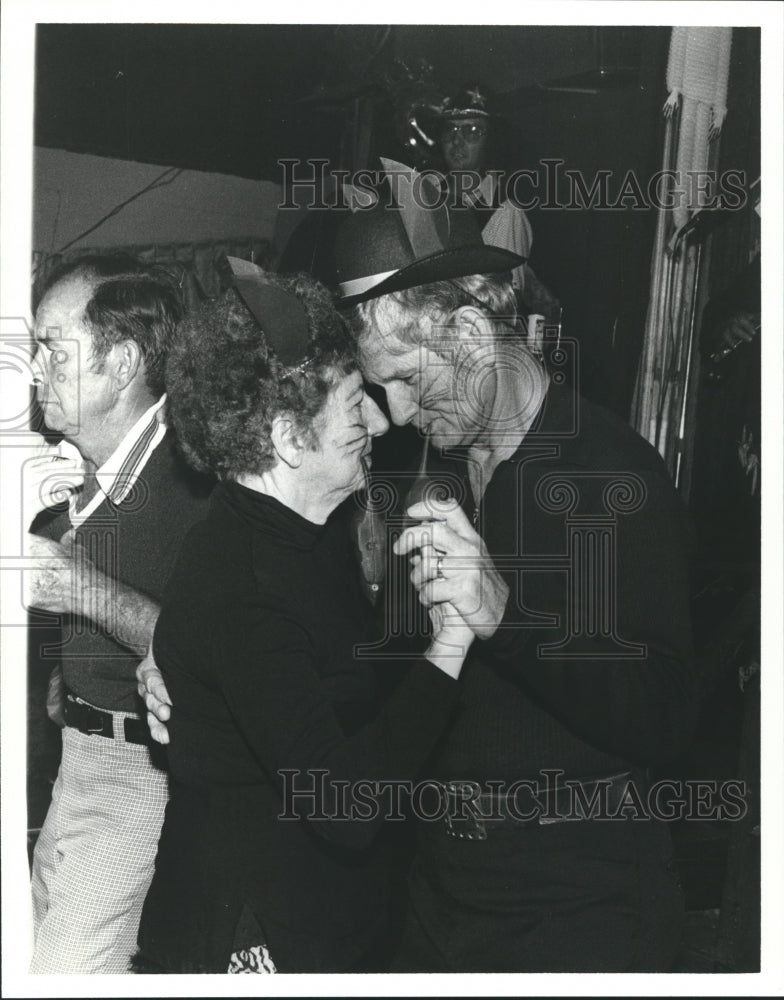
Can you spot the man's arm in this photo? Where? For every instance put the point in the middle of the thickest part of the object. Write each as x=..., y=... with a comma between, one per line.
x=638, y=701
x=64, y=581
x=447, y=651
x=641, y=706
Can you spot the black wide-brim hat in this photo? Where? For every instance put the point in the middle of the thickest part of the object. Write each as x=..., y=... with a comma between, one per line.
x=392, y=247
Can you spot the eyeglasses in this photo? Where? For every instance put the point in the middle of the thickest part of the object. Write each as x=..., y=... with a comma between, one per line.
x=468, y=130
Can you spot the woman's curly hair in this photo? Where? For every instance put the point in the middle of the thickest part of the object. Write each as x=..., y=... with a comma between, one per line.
x=225, y=386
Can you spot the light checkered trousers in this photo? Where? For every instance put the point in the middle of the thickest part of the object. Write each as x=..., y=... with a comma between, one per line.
x=95, y=857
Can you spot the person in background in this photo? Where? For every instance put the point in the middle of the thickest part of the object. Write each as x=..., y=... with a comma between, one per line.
x=103, y=329
x=464, y=127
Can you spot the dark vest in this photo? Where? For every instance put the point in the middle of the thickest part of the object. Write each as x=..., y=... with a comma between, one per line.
x=137, y=543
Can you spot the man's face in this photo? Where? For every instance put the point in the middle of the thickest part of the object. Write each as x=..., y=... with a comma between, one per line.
x=345, y=429
x=74, y=397
x=463, y=142
x=442, y=393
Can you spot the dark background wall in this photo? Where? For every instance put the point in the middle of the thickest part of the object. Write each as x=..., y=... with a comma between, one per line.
x=597, y=261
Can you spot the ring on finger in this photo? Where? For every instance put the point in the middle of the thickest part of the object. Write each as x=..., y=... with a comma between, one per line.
x=439, y=569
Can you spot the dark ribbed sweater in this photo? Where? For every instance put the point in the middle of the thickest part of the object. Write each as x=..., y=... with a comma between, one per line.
x=575, y=896
x=604, y=706
x=256, y=642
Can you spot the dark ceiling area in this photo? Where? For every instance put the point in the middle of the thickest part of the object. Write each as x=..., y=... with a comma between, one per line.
x=237, y=98
x=205, y=97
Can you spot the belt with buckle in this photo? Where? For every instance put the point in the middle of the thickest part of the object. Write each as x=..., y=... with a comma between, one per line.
x=97, y=722
x=470, y=814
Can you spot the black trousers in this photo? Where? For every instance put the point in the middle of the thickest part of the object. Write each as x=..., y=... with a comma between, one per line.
x=585, y=896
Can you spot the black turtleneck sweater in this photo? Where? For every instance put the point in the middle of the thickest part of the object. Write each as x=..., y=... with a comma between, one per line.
x=256, y=641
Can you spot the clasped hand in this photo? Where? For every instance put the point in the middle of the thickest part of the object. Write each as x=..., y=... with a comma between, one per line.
x=452, y=565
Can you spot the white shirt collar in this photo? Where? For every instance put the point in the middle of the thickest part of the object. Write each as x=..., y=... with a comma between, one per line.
x=117, y=476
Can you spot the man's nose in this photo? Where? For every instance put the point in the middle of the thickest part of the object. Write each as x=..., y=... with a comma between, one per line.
x=375, y=421
x=402, y=406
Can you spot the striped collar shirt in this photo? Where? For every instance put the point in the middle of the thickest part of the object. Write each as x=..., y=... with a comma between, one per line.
x=117, y=476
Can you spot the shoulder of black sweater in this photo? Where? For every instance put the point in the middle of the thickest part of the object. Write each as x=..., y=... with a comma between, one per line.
x=590, y=435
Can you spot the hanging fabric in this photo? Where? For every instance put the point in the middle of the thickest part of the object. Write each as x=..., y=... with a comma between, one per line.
x=696, y=106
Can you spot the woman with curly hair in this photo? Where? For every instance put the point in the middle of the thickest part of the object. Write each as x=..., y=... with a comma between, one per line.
x=269, y=858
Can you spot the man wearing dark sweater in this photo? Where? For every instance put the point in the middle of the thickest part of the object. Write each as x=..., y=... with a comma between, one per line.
x=103, y=329
x=564, y=553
